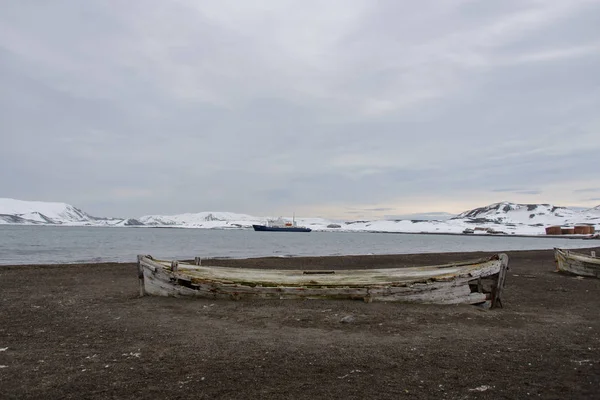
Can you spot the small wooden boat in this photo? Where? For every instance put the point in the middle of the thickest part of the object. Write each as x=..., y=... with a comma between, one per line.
x=472, y=282
x=577, y=263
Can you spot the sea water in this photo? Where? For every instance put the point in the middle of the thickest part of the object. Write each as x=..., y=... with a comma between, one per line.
x=63, y=244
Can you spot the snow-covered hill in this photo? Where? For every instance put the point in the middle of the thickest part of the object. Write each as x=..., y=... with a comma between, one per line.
x=520, y=213
x=23, y=212
x=206, y=220
x=221, y=220
x=42, y=212
x=530, y=214
x=505, y=217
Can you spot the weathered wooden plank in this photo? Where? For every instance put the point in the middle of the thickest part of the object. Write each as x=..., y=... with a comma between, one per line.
x=391, y=276
x=498, y=288
x=140, y=275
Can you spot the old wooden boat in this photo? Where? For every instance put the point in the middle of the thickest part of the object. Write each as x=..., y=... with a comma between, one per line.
x=577, y=263
x=472, y=282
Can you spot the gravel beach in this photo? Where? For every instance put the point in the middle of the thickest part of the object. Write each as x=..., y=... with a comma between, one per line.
x=81, y=331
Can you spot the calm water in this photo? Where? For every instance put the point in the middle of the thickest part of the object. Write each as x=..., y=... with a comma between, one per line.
x=45, y=244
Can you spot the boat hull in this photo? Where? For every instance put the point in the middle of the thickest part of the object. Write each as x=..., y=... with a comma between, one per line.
x=264, y=228
x=577, y=263
x=477, y=282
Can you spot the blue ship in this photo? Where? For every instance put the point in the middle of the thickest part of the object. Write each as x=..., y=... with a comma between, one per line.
x=281, y=226
x=265, y=228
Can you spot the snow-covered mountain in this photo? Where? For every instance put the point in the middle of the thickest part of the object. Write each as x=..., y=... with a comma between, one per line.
x=530, y=214
x=23, y=212
x=202, y=220
x=220, y=220
x=505, y=217
x=42, y=212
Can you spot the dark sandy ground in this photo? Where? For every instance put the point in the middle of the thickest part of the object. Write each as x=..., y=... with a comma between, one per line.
x=82, y=332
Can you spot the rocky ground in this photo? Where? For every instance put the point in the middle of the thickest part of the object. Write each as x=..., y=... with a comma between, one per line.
x=81, y=331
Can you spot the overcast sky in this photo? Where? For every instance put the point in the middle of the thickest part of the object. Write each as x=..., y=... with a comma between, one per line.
x=337, y=108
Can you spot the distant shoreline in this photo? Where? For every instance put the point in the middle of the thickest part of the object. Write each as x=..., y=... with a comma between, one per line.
x=502, y=235
x=541, y=236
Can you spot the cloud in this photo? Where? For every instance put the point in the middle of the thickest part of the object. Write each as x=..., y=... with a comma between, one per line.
x=518, y=191
x=430, y=216
x=587, y=190
x=374, y=108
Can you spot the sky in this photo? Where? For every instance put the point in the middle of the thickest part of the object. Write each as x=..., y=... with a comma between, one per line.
x=340, y=109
